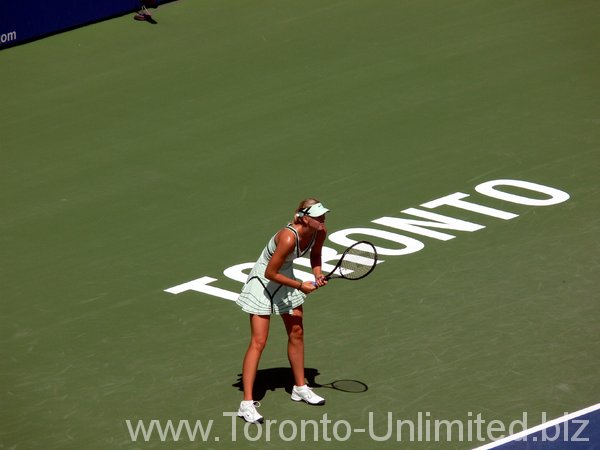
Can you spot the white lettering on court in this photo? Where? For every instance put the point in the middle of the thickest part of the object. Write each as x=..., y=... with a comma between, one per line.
x=399, y=244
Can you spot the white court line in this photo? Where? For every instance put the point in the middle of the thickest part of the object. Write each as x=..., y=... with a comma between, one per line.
x=540, y=427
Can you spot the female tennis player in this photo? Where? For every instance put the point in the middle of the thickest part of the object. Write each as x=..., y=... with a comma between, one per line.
x=271, y=289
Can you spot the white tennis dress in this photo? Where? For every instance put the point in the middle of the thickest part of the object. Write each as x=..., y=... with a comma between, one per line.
x=266, y=297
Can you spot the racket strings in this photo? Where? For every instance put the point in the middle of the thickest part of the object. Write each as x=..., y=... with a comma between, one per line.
x=358, y=262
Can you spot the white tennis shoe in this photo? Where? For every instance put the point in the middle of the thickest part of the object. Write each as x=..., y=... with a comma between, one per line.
x=248, y=411
x=306, y=394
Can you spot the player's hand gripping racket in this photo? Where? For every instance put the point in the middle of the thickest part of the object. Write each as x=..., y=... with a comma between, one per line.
x=356, y=262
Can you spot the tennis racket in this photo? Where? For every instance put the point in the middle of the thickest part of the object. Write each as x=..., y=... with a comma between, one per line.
x=356, y=262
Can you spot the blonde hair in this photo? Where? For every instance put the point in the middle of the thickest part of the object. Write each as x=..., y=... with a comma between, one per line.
x=304, y=204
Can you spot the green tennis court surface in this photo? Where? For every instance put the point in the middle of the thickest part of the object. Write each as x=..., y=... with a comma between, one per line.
x=136, y=158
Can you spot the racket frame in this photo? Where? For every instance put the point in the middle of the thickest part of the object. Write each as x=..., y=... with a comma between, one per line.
x=332, y=275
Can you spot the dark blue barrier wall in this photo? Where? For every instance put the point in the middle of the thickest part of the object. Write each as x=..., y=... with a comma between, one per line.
x=24, y=20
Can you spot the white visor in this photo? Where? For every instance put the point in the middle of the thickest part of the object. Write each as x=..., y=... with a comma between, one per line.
x=316, y=210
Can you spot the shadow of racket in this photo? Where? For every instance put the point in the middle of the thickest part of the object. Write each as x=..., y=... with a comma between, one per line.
x=350, y=386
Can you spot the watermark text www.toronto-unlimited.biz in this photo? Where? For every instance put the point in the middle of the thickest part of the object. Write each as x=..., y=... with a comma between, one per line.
x=378, y=427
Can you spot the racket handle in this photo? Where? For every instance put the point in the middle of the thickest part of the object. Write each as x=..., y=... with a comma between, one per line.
x=314, y=283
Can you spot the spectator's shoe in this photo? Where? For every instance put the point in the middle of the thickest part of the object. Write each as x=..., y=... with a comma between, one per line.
x=144, y=15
